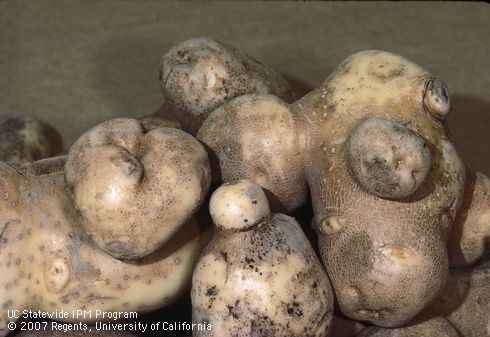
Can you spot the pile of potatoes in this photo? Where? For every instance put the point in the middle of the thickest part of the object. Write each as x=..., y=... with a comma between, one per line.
x=123, y=221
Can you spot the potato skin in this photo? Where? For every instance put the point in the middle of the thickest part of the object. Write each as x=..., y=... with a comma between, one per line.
x=435, y=327
x=50, y=264
x=386, y=258
x=256, y=137
x=465, y=301
x=201, y=74
x=471, y=229
x=261, y=280
x=26, y=138
x=134, y=188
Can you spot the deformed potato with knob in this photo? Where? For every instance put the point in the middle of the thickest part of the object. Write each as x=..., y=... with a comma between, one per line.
x=200, y=74
x=258, y=276
x=68, y=225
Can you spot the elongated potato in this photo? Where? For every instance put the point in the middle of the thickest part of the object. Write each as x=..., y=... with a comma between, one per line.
x=200, y=74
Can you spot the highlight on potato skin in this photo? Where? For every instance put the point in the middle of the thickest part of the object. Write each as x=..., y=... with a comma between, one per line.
x=258, y=276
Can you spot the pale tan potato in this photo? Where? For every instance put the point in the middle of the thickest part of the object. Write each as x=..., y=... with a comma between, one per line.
x=384, y=245
x=435, y=327
x=256, y=137
x=49, y=263
x=200, y=74
x=470, y=234
x=258, y=276
x=26, y=138
x=133, y=188
x=465, y=301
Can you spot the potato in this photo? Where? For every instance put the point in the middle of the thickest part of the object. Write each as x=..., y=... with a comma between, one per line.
x=435, y=327
x=465, y=301
x=117, y=171
x=470, y=233
x=258, y=276
x=26, y=138
x=386, y=183
x=344, y=327
x=256, y=137
x=48, y=261
x=200, y=74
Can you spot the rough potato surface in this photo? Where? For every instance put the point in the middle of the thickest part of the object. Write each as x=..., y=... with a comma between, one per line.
x=386, y=258
x=200, y=74
x=256, y=137
x=260, y=280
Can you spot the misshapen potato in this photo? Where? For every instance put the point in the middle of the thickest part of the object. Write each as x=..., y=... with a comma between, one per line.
x=200, y=74
x=386, y=184
x=118, y=171
x=258, y=276
x=256, y=137
x=49, y=263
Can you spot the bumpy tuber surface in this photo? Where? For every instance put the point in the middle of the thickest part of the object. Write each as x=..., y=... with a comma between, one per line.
x=26, y=138
x=258, y=276
x=200, y=74
x=49, y=263
x=256, y=137
x=435, y=327
x=386, y=183
x=134, y=189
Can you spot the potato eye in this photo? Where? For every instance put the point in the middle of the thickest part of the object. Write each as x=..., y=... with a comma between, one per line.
x=436, y=99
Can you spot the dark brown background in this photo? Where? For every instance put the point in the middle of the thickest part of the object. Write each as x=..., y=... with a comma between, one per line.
x=75, y=64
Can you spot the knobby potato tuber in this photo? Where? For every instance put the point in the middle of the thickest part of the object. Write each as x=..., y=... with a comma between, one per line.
x=117, y=177
x=385, y=180
x=393, y=205
x=258, y=276
x=201, y=74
